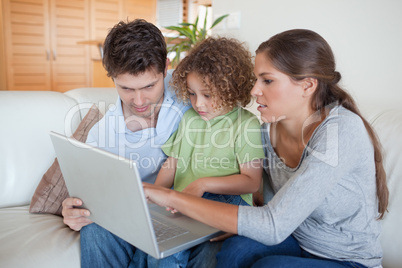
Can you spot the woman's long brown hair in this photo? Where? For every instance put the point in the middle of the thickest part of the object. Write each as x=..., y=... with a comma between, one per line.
x=303, y=53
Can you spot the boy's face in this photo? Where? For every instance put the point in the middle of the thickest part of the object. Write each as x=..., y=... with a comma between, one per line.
x=201, y=98
x=141, y=94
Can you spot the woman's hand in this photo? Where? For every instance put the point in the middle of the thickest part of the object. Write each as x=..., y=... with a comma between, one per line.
x=158, y=195
x=216, y=214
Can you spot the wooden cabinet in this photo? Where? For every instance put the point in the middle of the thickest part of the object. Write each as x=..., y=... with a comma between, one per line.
x=105, y=14
x=70, y=62
x=43, y=40
x=41, y=44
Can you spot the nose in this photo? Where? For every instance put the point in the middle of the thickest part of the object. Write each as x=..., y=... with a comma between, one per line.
x=199, y=102
x=255, y=91
x=138, y=98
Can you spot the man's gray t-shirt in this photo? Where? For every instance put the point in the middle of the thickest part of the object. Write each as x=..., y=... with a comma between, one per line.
x=328, y=202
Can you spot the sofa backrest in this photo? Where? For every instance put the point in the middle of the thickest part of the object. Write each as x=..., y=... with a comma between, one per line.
x=388, y=125
x=26, y=118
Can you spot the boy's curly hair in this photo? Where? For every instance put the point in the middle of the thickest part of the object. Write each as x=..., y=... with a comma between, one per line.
x=226, y=68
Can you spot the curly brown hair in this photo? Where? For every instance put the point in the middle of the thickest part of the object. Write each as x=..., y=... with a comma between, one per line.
x=226, y=69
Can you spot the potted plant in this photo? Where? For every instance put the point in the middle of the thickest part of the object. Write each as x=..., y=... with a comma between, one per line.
x=189, y=34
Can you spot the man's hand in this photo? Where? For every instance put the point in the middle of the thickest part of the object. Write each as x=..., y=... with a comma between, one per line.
x=75, y=218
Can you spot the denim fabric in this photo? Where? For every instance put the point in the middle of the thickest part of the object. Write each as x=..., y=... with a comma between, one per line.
x=240, y=251
x=206, y=251
x=100, y=248
x=229, y=199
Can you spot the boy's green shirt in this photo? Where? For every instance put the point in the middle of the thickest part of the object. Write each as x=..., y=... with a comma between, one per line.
x=214, y=148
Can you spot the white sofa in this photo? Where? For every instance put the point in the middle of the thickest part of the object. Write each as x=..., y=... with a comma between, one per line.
x=26, y=152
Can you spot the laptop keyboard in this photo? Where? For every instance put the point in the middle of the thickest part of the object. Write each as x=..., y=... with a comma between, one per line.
x=165, y=232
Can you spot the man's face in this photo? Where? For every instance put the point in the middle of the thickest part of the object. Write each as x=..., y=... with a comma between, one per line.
x=141, y=94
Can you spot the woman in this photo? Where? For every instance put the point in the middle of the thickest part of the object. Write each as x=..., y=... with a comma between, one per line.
x=323, y=162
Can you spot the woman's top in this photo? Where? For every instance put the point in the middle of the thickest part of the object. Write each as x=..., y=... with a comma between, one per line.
x=328, y=202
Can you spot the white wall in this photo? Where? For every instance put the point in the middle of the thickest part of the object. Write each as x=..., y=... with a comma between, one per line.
x=365, y=35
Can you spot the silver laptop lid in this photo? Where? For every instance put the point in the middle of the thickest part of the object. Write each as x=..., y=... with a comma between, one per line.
x=107, y=177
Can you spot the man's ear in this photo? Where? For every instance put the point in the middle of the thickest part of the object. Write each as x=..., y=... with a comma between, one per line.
x=167, y=66
x=309, y=86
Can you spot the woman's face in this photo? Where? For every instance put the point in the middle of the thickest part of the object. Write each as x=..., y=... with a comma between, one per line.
x=279, y=97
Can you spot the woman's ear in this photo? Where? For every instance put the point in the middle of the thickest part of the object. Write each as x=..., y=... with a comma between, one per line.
x=309, y=86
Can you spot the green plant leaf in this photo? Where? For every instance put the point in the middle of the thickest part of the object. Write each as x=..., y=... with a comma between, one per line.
x=195, y=26
x=189, y=35
x=183, y=31
x=196, y=22
x=204, y=28
x=186, y=24
x=218, y=20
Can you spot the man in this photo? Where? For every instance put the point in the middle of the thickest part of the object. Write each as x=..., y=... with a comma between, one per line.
x=145, y=116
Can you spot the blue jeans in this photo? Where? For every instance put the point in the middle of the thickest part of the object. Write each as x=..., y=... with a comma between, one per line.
x=100, y=248
x=182, y=258
x=240, y=251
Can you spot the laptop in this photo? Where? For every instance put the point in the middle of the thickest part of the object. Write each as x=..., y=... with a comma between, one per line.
x=111, y=189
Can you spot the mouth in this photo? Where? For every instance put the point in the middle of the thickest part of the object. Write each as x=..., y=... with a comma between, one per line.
x=201, y=113
x=261, y=106
x=141, y=109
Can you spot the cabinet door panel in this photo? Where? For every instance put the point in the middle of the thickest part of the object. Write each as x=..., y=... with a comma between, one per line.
x=27, y=44
x=104, y=15
x=140, y=9
x=69, y=26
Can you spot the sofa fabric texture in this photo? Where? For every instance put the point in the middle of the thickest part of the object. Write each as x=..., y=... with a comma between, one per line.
x=26, y=153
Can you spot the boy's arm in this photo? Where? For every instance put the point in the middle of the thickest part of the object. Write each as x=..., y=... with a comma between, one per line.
x=248, y=181
x=167, y=172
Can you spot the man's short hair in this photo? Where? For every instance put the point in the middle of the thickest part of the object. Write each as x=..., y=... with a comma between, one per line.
x=134, y=47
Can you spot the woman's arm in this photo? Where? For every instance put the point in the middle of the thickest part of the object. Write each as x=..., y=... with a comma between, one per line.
x=216, y=214
x=167, y=172
x=248, y=181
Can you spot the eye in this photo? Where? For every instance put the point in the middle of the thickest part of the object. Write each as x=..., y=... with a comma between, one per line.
x=267, y=81
x=207, y=96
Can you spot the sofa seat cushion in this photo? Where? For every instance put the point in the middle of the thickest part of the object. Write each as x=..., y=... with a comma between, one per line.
x=36, y=240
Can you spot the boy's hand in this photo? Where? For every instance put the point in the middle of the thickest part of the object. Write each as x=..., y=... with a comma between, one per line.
x=195, y=188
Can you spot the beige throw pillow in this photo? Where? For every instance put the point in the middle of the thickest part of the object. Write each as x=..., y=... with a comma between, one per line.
x=52, y=190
